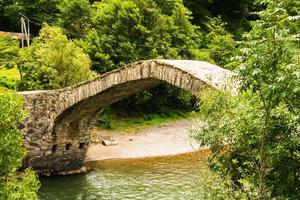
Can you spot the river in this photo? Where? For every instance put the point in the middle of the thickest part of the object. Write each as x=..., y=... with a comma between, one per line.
x=168, y=177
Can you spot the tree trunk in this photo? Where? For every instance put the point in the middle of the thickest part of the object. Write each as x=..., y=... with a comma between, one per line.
x=263, y=135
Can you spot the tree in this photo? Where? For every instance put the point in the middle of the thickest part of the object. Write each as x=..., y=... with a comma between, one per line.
x=219, y=42
x=53, y=61
x=37, y=11
x=231, y=127
x=271, y=70
x=9, y=55
x=131, y=30
x=13, y=184
x=254, y=136
x=74, y=16
x=237, y=14
x=9, y=50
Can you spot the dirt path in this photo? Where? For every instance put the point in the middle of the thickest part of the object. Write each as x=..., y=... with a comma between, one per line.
x=168, y=139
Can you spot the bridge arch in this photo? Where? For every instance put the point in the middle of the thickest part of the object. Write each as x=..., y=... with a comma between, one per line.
x=58, y=128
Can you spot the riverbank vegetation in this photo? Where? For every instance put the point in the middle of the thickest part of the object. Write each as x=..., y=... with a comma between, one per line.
x=13, y=183
x=75, y=40
x=111, y=120
x=254, y=136
x=156, y=106
x=9, y=78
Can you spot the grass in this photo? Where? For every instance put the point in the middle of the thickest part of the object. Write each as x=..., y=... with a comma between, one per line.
x=9, y=78
x=134, y=124
x=10, y=74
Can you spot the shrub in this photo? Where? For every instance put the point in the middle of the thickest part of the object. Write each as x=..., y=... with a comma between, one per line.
x=104, y=118
x=13, y=184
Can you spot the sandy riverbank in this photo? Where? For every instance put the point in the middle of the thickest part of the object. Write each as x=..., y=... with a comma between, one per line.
x=168, y=139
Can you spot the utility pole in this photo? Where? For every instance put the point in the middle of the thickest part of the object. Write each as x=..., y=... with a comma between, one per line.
x=25, y=29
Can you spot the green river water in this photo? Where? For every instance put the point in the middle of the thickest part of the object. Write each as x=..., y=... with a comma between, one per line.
x=171, y=177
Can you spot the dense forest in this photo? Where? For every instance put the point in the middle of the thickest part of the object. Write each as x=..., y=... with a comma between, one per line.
x=254, y=136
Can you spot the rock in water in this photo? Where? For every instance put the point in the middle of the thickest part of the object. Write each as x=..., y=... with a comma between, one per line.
x=109, y=143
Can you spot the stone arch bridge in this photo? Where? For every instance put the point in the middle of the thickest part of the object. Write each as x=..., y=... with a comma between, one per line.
x=57, y=129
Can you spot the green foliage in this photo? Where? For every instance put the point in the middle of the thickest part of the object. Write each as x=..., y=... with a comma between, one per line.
x=112, y=119
x=12, y=73
x=74, y=16
x=11, y=112
x=254, y=136
x=38, y=10
x=236, y=13
x=212, y=187
x=53, y=61
x=71, y=15
x=269, y=56
x=19, y=186
x=13, y=184
x=9, y=49
x=104, y=119
x=219, y=42
x=231, y=127
x=9, y=55
x=270, y=68
x=156, y=100
x=203, y=55
x=9, y=78
x=8, y=83
x=131, y=30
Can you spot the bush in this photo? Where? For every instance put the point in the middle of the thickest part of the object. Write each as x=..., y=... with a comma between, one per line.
x=9, y=51
x=13, y=184
x=104, y=118
x=163, y=115
x=52, y=61
x=8, y=83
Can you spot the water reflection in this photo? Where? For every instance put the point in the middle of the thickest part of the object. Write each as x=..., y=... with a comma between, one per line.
x=170, y=177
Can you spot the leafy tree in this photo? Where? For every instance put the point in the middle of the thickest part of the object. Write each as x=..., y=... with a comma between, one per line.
x=219, y=42
x=271, y=69
x=53, y=61
x=8, y=83
x=237, y=14
x=13, y=184
x=38, y=10
x=131, y=30
x=200, y=11
x=9, y=49
x=74, y=16
x=255, y=135
x=232, y=126
x=9, y=55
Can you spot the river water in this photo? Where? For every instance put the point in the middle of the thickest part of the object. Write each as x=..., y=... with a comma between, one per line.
x=171, y=177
